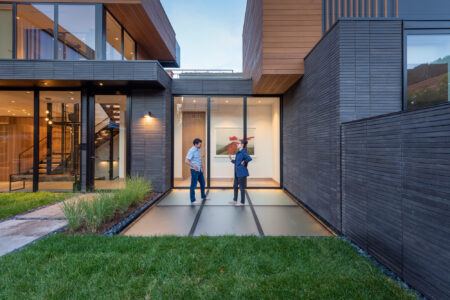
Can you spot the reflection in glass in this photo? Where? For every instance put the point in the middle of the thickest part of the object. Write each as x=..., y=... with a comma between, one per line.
x=113, y=38
x=227, y=120
x=35, y=31
x=6, y=31
x=110, y=141
x=189, y=123
x=129, y=47
x=16, y=140
x=428, y=58
x=76, y=32
x=263, y=135
x=59, y=140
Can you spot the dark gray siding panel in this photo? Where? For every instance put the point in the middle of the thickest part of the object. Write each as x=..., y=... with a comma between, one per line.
x=212, y=86
x=311, y=132
x=151, y=139
x=371, y=68
x=84, y=70
x=396, y=194
x=424, y=10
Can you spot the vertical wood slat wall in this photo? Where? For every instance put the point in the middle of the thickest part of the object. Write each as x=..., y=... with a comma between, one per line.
x=332, y=10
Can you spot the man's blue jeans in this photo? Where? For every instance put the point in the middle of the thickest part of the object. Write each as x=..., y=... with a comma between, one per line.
x=197, y=176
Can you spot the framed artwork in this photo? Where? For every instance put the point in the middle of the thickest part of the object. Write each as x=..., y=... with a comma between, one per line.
x=228, y=138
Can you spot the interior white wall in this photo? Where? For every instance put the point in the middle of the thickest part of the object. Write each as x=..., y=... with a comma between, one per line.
x=276, y=141
x=102, y=159
x=122, y=142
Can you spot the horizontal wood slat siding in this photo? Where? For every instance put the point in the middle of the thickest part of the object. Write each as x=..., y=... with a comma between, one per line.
x=151, y=139
x=311, y=168
x=277, y=37
x=396, y=194
x=83, y=70
x=371, y=68
x=211, y=86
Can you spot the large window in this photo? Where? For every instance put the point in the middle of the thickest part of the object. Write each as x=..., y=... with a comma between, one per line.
x=220, y=123
x=59, y=140
x=428, y=58
x=6, y=31
x=16, y=140
x=35, y=31
x=76, y=32
x=119, y=44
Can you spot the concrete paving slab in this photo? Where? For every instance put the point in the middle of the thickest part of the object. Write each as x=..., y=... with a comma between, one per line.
x=221, y=197
x=270, y=197
x=222, y=220
x=164, y=220
x=288, y=221
x=15, y=234
x=179, y=197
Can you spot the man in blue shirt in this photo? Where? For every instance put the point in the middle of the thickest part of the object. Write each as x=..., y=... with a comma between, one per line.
x=194, y=160
x=240, y=172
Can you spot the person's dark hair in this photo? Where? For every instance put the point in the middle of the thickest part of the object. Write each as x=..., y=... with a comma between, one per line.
x=244, y=143
x=197, y=140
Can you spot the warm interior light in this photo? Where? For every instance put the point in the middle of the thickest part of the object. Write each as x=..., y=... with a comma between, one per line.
x=148, y=116
x=100, y=84
x=50, y=122
x=46, y=119
x=47, y=112
x=45, y=83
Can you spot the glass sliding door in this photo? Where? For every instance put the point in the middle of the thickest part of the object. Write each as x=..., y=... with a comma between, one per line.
x=263, y=135
x=110, y=140
x=190, y=122
x=227, y=129
x=59, y=140
x=16, y=140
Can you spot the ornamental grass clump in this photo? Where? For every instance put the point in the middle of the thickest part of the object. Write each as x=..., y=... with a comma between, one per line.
x=73, y=211
x=105, y=206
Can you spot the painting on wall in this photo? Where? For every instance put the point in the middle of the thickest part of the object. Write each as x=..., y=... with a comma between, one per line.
x=227, y=140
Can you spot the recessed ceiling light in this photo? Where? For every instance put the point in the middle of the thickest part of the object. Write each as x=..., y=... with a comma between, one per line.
x=14, y=114
x=227, y=101
x=71, y=93
x=100, y=84
x=45, y=83
x=72, y=98
x=116, y=38
x=195, y=101
x=13, y=101
x=28, y=92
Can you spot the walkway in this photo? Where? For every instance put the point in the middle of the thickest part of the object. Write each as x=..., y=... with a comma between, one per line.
x=268, y=213
x=26, y=228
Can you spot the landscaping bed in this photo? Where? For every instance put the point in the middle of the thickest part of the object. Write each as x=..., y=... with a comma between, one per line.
x=12, y=204
x=106, y=209
x=120, y=267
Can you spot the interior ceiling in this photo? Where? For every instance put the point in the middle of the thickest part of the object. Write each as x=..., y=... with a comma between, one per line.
x=199, y=103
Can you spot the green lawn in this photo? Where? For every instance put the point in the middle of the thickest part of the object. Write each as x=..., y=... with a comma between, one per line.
x=97, y=267
x=15, y=203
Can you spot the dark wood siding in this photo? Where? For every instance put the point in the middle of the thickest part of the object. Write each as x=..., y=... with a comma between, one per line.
x=211, y=86
x=151, y=139
x=396, y=193
x=311, y=132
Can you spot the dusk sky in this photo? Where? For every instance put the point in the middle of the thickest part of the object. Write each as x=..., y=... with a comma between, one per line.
x=209, y=32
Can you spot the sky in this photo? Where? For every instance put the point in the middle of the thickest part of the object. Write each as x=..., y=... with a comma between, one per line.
x=209, y=32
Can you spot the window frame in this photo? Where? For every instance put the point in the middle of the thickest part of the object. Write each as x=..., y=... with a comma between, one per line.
x=99, y=30
x=406, y=33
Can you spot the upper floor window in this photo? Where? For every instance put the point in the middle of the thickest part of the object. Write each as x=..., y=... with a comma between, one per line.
x=76, y=32
x=6, y=31
x=62, y=31
x=428, y=58
x=35, y=31
x=119, y=44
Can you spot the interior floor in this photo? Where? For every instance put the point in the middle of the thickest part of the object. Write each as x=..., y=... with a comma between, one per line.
x=228, y=182
x=266, y=213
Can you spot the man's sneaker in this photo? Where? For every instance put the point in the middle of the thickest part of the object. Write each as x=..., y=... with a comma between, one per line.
x=196, y=203
x=232, y=202
x=239, y=204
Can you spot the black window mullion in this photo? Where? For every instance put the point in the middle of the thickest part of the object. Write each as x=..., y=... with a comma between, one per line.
x=35, y=141
x=122, y=42
x=55, y=32
x=14, y=26
x=245, y=118
x=208, y=144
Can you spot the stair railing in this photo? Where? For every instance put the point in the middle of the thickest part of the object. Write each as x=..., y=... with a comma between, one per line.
x=21, y=154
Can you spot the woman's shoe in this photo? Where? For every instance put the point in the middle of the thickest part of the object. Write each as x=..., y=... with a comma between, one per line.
x=239, y=204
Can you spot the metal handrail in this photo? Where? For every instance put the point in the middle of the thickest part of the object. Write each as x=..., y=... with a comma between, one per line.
x=19, y=165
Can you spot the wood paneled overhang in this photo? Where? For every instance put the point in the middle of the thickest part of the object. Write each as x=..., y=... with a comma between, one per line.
x=145, y=20
x=277, y=36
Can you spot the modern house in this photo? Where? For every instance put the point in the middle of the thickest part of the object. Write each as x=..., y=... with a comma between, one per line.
x=345, y=104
